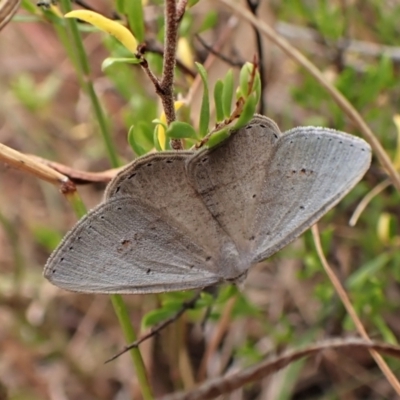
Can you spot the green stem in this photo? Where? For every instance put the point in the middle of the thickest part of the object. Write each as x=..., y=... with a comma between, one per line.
x=82, y=67
x=130, y=336
x=84, y=73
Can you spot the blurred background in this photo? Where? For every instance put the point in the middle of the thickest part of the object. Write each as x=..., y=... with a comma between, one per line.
x=53, y=343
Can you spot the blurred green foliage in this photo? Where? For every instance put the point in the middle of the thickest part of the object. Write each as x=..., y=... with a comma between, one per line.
x=372, y=86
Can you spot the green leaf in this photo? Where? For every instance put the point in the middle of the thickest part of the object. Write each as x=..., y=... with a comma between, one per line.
x=113, y=60
x=227, y=93
x=136, y=147
x=173, y=305
x=244, y=79
x=226, y=293
x=385, y=330
x=119, y=5
x=156, y=316
x=219, y=106
x=181, y=296
x=134, y=12
x=29, y=6
x=248, y=112
x=368, y=270
x=218, y=137
x=181, y=130
x=209, y=21
x=47, y=237
x=206, y=300
x=205, y=103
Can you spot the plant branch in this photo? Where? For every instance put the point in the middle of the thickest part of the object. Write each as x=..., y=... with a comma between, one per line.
x=253, y=6
x=227, y=384
x=180, y=9
x=83, y=70
x=167, y=81
x=153, y=46
x=185, y=306
x=238, y=64
x=352, y=312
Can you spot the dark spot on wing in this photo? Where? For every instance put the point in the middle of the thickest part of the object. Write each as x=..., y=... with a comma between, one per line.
x=148, y=271
x=131, y=176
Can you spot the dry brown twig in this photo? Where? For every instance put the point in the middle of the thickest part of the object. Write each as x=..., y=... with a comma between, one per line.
x=350, y=310
x=30, y=165
x=158, y=328
x=221, y=328
x=219, y=386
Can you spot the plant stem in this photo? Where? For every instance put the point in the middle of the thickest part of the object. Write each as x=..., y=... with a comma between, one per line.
x=82, y=67
x=167, y=80
x=83, y=70
x=130, y=336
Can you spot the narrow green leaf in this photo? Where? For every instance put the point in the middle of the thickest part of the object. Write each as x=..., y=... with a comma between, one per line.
x=244, y=79
x=218, y=137
x=29, y=6
x=46, y=236
x=136, y=147
x=156, y=316
x=226, y=293
x=227, y=93
x=113, y=60
x=219, y=106
x=205, y=103
x=385, y=330
x=209, y=21
x=368, y=270
x=181, y=130
x=173, y=305
x=134, y=13
x=119, y=5
x=248, y=112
